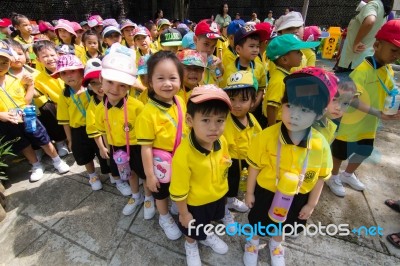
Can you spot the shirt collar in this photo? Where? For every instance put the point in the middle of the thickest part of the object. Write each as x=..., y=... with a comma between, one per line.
x=252, y=64
x=370, y=61
x=197, y=146
x=285, y=139
x=120, y=104
x=160, y=104
x=284, y=71
x=238, y=124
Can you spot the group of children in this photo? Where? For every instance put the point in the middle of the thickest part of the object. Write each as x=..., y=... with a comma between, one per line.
x=187, y=123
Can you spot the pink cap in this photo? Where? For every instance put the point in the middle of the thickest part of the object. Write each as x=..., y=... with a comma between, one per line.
x=95, y=20
x=76, y=26
x=209, y=92
x=390, y=32
x=45, y=26
x=67, y=62
x=313, y=33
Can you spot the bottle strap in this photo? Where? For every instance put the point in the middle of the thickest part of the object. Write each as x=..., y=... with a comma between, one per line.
x=78, y=103
x=9, y=97
x=392, y=93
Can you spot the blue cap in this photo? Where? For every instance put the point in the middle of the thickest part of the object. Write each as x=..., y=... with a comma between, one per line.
x=188, y=42
x=234, y=26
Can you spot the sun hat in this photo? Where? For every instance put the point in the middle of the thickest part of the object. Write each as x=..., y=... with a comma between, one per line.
x=285, y=43
x=66, y=25
x=143, y=31
x=95, y=20
x=190, y=57
x=263, y=32
x=127, y=23
x=390, y=32
x=170, y=37
x=162, y=22
x=67, y=62
x=239, y=80
x=291, y=19
x=313, y=33
x=110, y=22
x=76, y=26
x=5, y=50
x=209, y=92
x=109, y=30
x=142, y=65
x=208, y=28
x=188, y=41
x=92, y=70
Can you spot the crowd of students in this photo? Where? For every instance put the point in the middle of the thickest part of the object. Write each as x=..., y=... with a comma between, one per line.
x=186, y=111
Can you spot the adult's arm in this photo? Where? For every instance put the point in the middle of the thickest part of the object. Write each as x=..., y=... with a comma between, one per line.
x=365, y=28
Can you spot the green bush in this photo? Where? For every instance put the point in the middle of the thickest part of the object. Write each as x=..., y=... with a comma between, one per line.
x=5, y=150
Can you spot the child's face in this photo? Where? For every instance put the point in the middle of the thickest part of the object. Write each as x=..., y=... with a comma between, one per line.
x=51, y=34
x=65, y=36
x=241, y=105
x=386, y=52
x=92, y=43
x=98, y=28
x=293, y=58
x=192, y=76
x=4, y=65
x=298, y=31
x=297, y=118
x=48, y=57
x=128, y=33
x=164, y=27
x=165, y=80
x=24, y=26
x=79, y=34
x=154, y=32
x=95, y=85
x=205, y=45
x=85, y=27
x=249, y=50
x=114, y=90
x=72, y=78
x=113, y=38
x=142, y=42
x=207, y=127
x=339, y=104
x=19, y=62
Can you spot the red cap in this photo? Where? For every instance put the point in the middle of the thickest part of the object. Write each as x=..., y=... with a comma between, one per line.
x=208, y=28
x=45, y=26
x=390, y=32
x=5, y=22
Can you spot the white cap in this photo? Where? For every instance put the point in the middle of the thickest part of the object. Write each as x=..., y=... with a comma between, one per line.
x=291, y=19
x=119, y=67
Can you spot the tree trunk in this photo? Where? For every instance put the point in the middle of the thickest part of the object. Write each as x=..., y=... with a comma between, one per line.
x=305, y=9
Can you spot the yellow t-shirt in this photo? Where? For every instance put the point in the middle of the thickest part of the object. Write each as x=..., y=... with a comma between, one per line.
x=328, y=130
x=199, y=175
x=209, y=76
x=221, y=46
x=50, y=87
x=239, y=136
x=116, y=121
x=80, y=52
x=71, y=108
x=256, y=67
x=310, y=56
x=263, y=154
x=144, y=96
x=157, y=124
x=228, y=56
x=91, y=129
x=275, y=91
x=185, y=94
x=14, y=90
x=356, y=125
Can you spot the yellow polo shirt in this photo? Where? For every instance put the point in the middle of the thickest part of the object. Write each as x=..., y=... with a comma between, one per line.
x=157, y=124
x=263, y=153
x=48, y=86
x=116, y=120
x=328, y=130
x=67, y=111
x=239, y=136
x=275, y=90
x=228, y=56
x=199, y=175
x=209, y=75
x=91, y=129
x=185, y=94
x=14, y=90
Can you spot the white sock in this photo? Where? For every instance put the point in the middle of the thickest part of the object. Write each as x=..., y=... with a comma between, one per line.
x=37, y=164
x=148, y=198
x=92, y=175
x=136, y=195
x=255, y=242
x=166, y=216
x=118, y=181
x=347, y=174
x=273, y=244
x=192, y=245
x=334, y=177
x=110, y=175
x=226, y=209
x=56, y=159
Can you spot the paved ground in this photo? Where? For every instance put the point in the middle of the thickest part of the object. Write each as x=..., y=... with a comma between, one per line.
x=61, y=221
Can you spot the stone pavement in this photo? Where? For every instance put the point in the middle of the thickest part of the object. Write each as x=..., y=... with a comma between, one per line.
x=61, y=221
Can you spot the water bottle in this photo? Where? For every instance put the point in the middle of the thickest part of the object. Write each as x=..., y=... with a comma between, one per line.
x=217, y=71
x=218, y=74
x=243, y=179
x=390, y=109
x=286, y=189
x=30, y=118
x=121, y=159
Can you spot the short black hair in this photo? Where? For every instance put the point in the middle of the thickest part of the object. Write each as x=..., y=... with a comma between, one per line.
x=253, y=36
x=247, y=93
x=307, y=91
x=207, y=107
x=43, y=44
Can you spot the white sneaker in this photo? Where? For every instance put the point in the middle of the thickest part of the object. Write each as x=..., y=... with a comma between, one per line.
x=170, y=228
x=192, y=254
x=124, y=188
x=216, y=244
x=149, y=209
x=174, y=208
x=237, y=205
x=277, y=255
x=250, y=256
x=62, y=149
x=61, y=166
x=352, y=181
x=95, y=183
x=37, y=173
x=39, y=154
x=227, y=220
x=112, y=180
x=336, y=186
x=132, y=205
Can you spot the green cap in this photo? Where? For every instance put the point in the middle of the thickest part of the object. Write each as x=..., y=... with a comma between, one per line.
x=286, y=43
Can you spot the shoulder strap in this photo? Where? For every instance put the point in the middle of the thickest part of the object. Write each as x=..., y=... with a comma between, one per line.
x=178, y=136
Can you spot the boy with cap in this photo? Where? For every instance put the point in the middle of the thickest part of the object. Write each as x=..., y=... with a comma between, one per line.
x=206, y=36
x=199, y=170
x=357, y=130
x=111, y=35
x=170, y=40
x=284, y=52
x=292, y=149
x=229, y=54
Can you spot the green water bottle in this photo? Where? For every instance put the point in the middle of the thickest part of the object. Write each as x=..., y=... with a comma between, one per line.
x=243, y=179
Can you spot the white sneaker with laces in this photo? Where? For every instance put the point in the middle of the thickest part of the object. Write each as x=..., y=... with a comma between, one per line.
x=95, y=183
x=149, y=209
x=352, y=181
x=336, y=186
x=170, y=228
x=37, y=173
x=277, y=255
x=61, y=166
x=250, y=256
x=237, y=205
x=216, y=244
x=192, y=254
x=62, y=149
x=227, y=220
x=174, y=208
x=124, y=188
x=132, y=205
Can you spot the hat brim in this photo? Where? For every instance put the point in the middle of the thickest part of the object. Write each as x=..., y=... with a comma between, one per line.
x=324, y=34
x=106, y=34
x=91, y=75
x=128, y=25
x=56, y=74
x=290, y=25
x=65, y=27
x=304, y=45
x=199, y=98
x=118, y=76
x=174, y=43
x=239, y=86
x=7, y=55
x=140, y=34
x=214, y=36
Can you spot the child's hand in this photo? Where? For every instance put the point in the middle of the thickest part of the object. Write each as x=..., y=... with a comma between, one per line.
x=27, y=80
x=306, y=212
x=8, y=117
x=390, y=117
x=249, y=200
x=153, y=184
x=104, y=153
x=184, y=219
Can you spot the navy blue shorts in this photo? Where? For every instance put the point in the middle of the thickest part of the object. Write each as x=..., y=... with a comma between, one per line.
x=135, y=161
x=84, y=148
x=342, y=150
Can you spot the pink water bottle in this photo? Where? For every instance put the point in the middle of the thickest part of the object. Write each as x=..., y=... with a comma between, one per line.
x=121, y=158
x=286, y=189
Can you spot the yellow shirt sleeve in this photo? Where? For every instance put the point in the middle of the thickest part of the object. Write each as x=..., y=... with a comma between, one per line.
x=91, y=129
x=99, y=118
x=62, y=110
x=255, y=152
x=181, y=173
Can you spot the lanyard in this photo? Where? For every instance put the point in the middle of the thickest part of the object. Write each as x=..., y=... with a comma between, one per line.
x=16, y=105
x=126, y=126
x=78, y=103
x=303, y=170
x=392, y=93
x=255, y=81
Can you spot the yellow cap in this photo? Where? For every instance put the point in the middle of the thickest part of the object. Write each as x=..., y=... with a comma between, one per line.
x=240, y=79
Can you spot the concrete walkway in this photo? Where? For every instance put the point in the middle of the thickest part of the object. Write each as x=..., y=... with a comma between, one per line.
x=61, y=221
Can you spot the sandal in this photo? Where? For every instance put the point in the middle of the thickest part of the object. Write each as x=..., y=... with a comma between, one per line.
x=392, y=241
x=393, y=204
